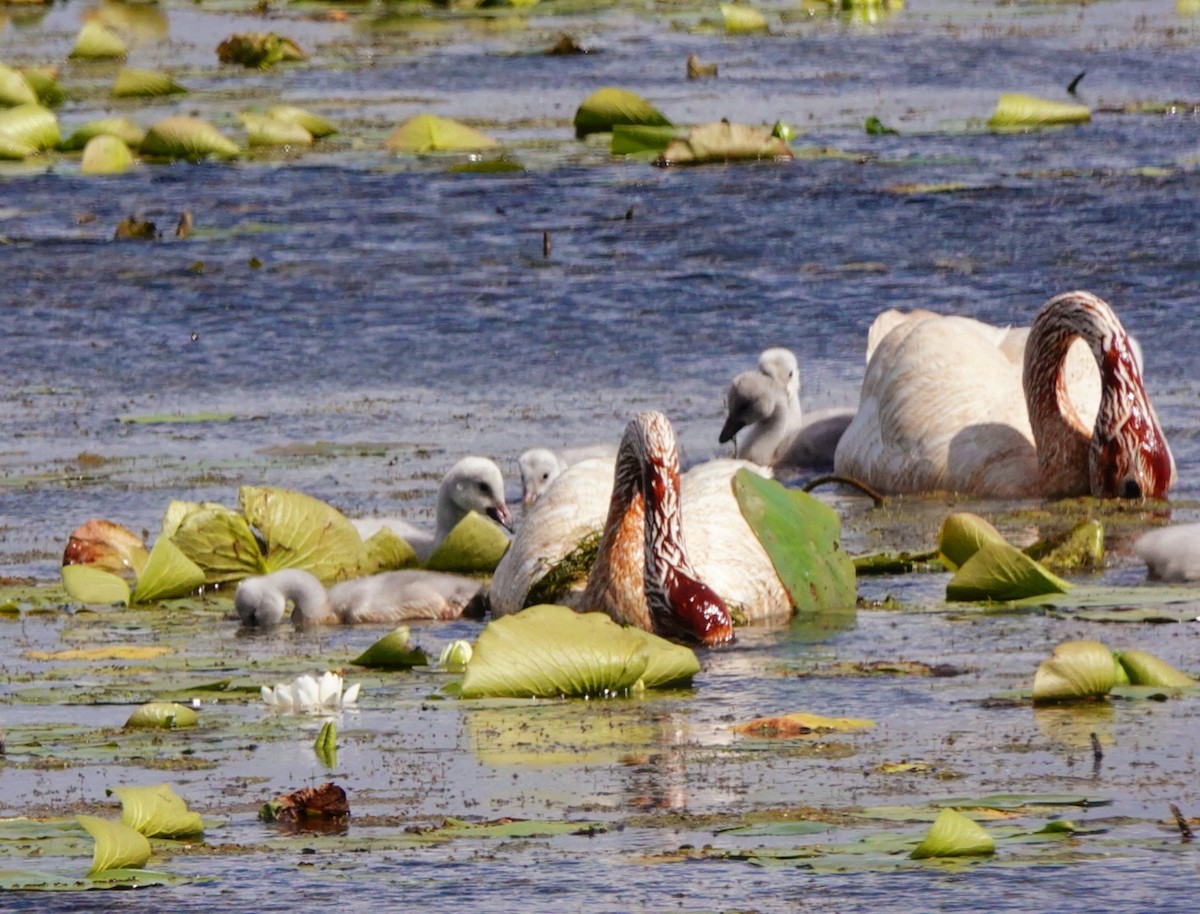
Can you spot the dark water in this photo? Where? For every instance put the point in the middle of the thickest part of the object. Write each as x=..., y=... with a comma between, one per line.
x=409, y=316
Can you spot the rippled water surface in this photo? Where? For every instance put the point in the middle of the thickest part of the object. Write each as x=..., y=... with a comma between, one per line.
x=367, y=320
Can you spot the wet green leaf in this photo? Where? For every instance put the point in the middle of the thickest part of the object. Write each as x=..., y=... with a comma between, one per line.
x=875, y=127
x=96, y=41
x=317, y=126
x=326, y=745
x=428, y=133
x=608, y=106
x=724, y=142
x=670, y=664
x=117, y=845
x=132, y=83
x=962, y=535
x=455, y=656
x=157, y=812
x=1080, y=549
x=1010, y=801
x=88, y=584
x=177, y=418
x=162, y=715
x=1001, y=572
x=303, y=532
x=386, y=551
x=30, y=125
x=475, y=545
x=44, y=81
x=187, y=138
x=106, y=155
x=802, y=536
x=742, y=19
x=14, y=150
x=1099, y=597
x=219, y=542
x=512, y=828
x=394, y=651
x=1144, y=669
x=15, y=89
x=1076, y=670
x=1016, y=111
x=168, y=574
x=637, y=139
x=954, y=835
x=264, y=130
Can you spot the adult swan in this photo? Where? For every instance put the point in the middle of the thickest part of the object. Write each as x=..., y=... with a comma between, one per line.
x=944, y=409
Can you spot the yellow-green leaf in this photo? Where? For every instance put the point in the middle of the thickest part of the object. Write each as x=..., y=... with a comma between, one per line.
x=724, y=142
x=1016, y=111
x=157, y=812
x=220, y=542
x=427, y=133
x=475, y=545
x=315, y=124
x=962, y=535
x=1144, y=669
x=1000, y=572
x=94, y=585
x=326, y=745
x=386, y=551
x=742, y=19
x=105, y=155
x=168, y=573
x=31, y=125
x=120, y=127
x=608, y=106
x=303, y=532
x=96, y=41
x=394, y=651
x=264, y=130
x=15, y=89
x=131, y=83
x=954, y=835
x=1076, y=670
x=117, y=845
x=187, y=138
x=162, y=715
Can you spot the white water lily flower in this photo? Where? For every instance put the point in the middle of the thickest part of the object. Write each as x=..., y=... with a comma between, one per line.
x=308, y=693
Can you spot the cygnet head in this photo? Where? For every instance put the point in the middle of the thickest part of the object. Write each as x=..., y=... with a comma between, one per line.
x=473, y=484
x=753, y=396
x=781, y=364
x=259, y=603
x=263, y=601
x=539, y=467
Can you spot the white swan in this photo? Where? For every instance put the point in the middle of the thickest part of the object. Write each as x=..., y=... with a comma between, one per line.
x=945, y=408
x=393, y=596
x=472, y=484
x=540, y=466
x=671, y=558
x=1171, y=553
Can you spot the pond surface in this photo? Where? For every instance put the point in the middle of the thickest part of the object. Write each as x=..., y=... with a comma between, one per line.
x=360, y=322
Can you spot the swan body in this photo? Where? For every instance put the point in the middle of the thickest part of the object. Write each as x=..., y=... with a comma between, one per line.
x=947, y=404
x=672, y=557
x=1171, y=553
x=472, y=484
x=540, y=466
x=393, y=596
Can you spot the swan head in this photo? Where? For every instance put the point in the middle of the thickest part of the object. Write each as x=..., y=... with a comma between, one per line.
x=752, y=397
x=539, y=467
x=781, y=364
x=473, y=484
x=259, y=603
x=263, y=601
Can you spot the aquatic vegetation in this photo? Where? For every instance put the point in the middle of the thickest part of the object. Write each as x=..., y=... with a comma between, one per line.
x=455, y=656
x=134, y=83
x=189, y=138
x=157, y=812
x=1081, y=670
x=428, y=133
x=106, y=155
x=162, y=715
x=310, y=694
x=117, y=845
x=607, y=107
x=723, y=142
x=1016, y=111
x=394, y=651
x=96, y=41
x=786, y=726
x=258, y=49
x=954, y=835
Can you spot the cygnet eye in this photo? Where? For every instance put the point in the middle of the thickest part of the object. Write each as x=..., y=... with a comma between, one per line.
x=1131, y=489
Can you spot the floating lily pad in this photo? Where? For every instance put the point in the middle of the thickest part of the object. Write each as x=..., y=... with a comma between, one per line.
x=106, y=155
x=325, y=746
x=14, y=150
x=475, y=545
x=742, y=19
x=1016, y=111
x=187, y=138
x=30, y=125
x=157, y=812
x=264, y=130
x=954, y=835
x=801, y=724
x=670, y=663
x=302, y=532
x=609, y=106
x=131, y=83
x=802, y=536
x=428, y=133
x=1081, y=549
x=551, y=651
x=44, y=81
x=162, y=715
x=219, y=542
x=962, y=535
x=258, y=49
x=117, y=845
x=88, y=584
x=1144, y=669
x=96, y=41
x=1076, y=670
x=387, y=551
x=316, y=125
x=1000, y=572
x=15, y=89
x=724, y=142
x=638, y=139
x=168, y=574
x=394, y=651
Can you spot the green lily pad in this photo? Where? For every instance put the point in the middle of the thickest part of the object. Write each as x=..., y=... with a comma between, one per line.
x=1144, y=669
x=316, y=125
x=325, y=746
x=44, y=82
x=551, y=651
x=15, y=89
x=220, y=542
x=670, y=664
x=1076, y=670
x=162, y=715
x=1016, y=111
x=722, y=142
x=303, y=532
x=106, y=155
x=157, y=812
x=31, y=125
x=1000, y=572
x=962, y=535
x=742, y=19
x=954, y=835
x=387, y=551
x=264, y=130
x=639, y=139
x=475, y=545
x=14, y=150
x=428, y=133
x=187, y=138
x=132, y=83
x=96, y=41
x=802, y=537
x=168, y=574
x=88, y=584
x=117, y=845
x=394, y=651
x=604, y=108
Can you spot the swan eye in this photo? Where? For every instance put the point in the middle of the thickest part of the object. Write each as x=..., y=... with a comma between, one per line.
x=1131, y=489
x=483, y=487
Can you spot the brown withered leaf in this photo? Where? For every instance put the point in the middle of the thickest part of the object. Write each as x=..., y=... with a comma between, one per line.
x=309, y=807
x=786, y=726
x=698, y=70
x=135, y=227
x=105, y=545
x=723, y=142
x=565, y=45
x=258, y=49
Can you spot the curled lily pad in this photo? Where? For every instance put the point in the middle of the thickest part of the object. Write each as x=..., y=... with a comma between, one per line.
x=1000, y=572
x=428, y=133
x=14, y=150
x=475, y=545
x=187, y=138
x=637, y=139
x=168, y=573
x=724, y=142
x=326, y=745
x=670, y=664
x=264, y=130
x=1076, y=670
x=1144, y=669
x=962, y=535
x=89, y=584
x=302, y=532
x=218, y=541
x=743, y=19
x=122, y=128
x=15, y=89
x=954, y=835
x=1016, y=111
x=96, y=41
x=157, y=812
x=314, y=124
x=105, y=155
x=131, y=83
x=258, y=49
x=31, y=125
x=162, y=715
x=117, y=845
x=394, y=651
x=608, y=106
x=387, y=551
x=44, y=81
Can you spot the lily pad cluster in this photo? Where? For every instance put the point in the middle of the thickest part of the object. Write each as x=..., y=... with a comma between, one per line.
x=258, y=49
x=1087, y=670
x=987, y=567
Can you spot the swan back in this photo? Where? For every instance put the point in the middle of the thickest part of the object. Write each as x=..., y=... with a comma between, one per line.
x=400, y=596
x=1171, y=553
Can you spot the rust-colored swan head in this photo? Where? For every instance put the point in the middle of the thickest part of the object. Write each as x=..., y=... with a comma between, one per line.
x=642, y=575
x=1126, y=454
